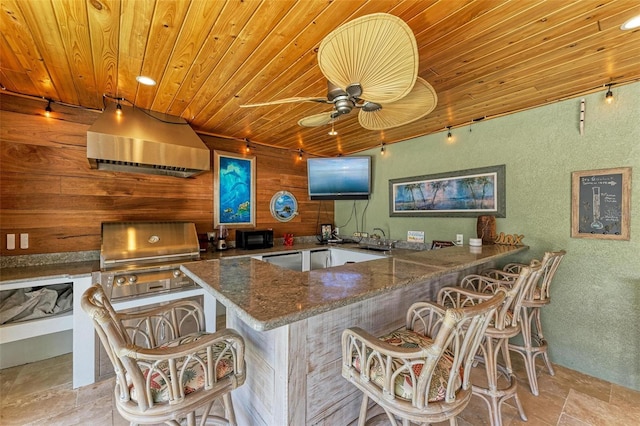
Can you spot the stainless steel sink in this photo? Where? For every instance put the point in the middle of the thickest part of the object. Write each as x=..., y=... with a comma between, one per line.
x=376, y=247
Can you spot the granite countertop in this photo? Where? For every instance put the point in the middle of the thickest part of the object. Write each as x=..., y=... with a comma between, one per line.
x=266, y=296
x=48, y=271
x=66, y=265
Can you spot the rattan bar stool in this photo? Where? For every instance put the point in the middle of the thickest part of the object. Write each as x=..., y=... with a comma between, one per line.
x=419, y=373
x=163, y=373
x=538, y=296
x=504, y=325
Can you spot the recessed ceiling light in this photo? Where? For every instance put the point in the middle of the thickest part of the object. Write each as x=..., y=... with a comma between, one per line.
x=631, y=23
x=147, y=81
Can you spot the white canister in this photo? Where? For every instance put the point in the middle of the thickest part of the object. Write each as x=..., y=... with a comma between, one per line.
x=475, y=242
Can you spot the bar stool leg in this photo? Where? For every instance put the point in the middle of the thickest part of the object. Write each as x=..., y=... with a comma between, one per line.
x=542, y=344
x=493, y=395
x=528, y=350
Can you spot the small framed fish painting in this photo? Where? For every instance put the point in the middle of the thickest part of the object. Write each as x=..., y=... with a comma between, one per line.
x=234, y=190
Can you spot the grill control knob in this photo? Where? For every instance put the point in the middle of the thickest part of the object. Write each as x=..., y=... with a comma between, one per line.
x=177, y=273
x=120, y=280
x=133, y=279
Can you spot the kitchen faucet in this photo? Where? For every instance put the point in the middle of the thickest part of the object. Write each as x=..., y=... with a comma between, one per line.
x=381, y=230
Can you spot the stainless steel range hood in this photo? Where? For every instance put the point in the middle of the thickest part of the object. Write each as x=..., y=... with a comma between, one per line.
x=143, y=141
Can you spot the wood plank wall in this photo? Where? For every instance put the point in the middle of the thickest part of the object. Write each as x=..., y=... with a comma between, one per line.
x=48, y=190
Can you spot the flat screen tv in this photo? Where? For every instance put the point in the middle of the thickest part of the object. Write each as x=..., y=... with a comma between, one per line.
x=340, y=178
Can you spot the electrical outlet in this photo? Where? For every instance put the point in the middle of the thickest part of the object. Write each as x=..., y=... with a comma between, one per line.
x=11, y=241
x=24, y=241
x=364, y=234
x=356, y=234
x=336, y=230
x=459, y=239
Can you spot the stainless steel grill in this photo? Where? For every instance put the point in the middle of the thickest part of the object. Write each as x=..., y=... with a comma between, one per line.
x=142, y=258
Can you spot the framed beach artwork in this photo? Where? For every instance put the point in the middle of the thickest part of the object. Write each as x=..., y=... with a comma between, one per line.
x=234, y=190
x=463, y=193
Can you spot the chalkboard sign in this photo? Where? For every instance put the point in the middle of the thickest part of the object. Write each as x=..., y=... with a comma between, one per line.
x=600, y=203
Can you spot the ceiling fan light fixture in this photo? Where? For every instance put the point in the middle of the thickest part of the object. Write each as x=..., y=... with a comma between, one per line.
x=332, y=132
x=147, y=81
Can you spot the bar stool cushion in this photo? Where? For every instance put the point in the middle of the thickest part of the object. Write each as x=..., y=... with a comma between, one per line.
x=193, y=376
x=403, y=383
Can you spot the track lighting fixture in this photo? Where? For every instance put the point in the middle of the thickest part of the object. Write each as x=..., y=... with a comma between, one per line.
x=119, y=108
x=300, y=154
x=47, y=110
x=449, y=136
x=609, y=96
x=247, y=147
x=382, y=149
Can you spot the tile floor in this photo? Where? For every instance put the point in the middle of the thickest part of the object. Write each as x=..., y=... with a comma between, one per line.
x=41, y=394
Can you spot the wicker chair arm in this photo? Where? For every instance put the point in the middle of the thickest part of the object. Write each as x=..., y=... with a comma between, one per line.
x=384, y=348
x=225, y=336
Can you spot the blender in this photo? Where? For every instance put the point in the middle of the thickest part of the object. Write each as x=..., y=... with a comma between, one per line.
x=223, y=233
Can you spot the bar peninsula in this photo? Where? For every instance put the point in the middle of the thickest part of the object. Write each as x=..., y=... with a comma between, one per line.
x=292, y=322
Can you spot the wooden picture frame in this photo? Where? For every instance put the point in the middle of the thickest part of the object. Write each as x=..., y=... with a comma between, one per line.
x=234, y=190
x=463, y=193
x=601, y=203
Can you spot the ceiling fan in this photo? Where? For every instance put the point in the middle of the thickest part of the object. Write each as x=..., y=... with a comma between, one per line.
x=371, y=64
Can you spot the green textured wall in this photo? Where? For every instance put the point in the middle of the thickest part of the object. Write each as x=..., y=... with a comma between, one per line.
x=593, y=322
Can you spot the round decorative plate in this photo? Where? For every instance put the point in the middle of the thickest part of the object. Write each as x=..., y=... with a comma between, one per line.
x=284, y=206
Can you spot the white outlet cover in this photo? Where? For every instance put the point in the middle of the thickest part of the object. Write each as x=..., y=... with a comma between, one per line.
x=24, y=241
x=415, y=236
x=11, y=241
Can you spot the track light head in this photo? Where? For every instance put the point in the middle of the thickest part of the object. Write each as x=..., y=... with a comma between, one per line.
x=118, y=108
x=449, y=135
x=382, y=149
x=47, y=110
x=609, y=96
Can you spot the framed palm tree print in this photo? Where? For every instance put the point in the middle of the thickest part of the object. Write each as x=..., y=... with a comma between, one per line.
x=463, y=193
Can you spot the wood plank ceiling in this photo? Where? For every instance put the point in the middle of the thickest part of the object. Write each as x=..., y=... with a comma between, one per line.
x=485, y=58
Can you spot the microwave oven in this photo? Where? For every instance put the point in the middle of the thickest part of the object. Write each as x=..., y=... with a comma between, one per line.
x=256, y=239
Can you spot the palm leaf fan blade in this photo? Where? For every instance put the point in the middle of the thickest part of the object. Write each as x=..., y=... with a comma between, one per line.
x=417, y=104
x=378, y=51
x=316, y=120
x=284, y=101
